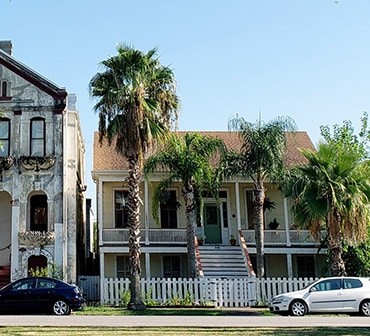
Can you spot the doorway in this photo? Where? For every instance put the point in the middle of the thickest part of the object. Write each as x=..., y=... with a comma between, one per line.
x=212, y=223
x=37, y=263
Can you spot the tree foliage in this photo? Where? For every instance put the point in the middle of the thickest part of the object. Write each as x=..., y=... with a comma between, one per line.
x=137, y=105
x=261, y=156
x=331, y=191
x=186, y=159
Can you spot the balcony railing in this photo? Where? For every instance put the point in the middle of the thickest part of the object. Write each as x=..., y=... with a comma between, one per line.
x=178, y=236
x=154, y=236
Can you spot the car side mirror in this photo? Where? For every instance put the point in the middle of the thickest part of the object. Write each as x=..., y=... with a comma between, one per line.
x=313, y=289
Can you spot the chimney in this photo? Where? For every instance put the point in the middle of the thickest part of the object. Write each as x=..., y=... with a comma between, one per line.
x=7, y=46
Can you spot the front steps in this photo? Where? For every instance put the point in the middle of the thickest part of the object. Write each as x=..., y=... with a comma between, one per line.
x=222, y=261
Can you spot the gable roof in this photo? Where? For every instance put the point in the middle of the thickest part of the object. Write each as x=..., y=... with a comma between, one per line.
x=106, y=158
x=31, y=76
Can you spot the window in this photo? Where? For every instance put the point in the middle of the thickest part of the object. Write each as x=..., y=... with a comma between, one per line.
x=46, y=284
x=37, y=137
x=249, y=198
x=4, y=137
x=168, y=209
x=24, y=284
x=4, y=89
x=171, y=267
x=39, y=213
x=352, y=283
x=120, y=208
x=327, y=285
x=123, y=268
x=305, y=266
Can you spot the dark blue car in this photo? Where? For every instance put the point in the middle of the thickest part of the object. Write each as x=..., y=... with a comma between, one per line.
x=40, y=294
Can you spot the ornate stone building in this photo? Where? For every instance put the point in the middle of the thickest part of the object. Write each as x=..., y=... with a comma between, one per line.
x=42, y=179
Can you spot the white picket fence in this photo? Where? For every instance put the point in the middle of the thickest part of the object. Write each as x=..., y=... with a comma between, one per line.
x=238, y=292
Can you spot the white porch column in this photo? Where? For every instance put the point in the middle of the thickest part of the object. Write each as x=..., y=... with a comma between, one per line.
x=237, y=203
x=289, y=265
x=146, y=214
x=286, y=220
x=102, y=277
x=99, y=203
x=147, y=265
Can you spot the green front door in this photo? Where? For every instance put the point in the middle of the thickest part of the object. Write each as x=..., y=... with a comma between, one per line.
x=212, y=223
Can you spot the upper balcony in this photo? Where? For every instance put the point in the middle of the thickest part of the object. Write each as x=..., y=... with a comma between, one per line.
x=178, y=237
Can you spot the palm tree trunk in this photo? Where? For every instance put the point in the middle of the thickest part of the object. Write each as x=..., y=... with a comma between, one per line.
x=335, y=241
x=259, y=197
x=189, y=200
x=136, y=302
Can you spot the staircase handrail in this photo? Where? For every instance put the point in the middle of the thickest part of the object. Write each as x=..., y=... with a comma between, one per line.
x=247, y=258
x=197, y=258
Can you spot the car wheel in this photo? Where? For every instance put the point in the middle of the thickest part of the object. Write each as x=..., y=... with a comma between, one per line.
x=298, y=308
x=60, y=307
x=365, y=308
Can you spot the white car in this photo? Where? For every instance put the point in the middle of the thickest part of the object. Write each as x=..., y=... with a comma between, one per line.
x=327, y=295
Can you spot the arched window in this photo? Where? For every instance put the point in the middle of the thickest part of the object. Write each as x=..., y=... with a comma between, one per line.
x=4, y=89
x=37, y=141
x=39, y=213
x=4, y=137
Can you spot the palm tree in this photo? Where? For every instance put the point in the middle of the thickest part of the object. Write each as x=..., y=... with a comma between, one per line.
x=261, y=156
x=137, y=104
x=187, y=159
x=331, y=191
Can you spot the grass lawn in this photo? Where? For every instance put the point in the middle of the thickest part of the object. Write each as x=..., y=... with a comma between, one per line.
x=67, y=331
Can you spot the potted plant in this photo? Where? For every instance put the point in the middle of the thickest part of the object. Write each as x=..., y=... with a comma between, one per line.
x=274, y=224
x=232, y=240
x=201, y=239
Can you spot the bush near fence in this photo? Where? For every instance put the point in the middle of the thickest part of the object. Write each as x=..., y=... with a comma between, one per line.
x=238, y=292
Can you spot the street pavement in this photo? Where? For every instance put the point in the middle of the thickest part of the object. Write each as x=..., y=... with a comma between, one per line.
x=231, y=321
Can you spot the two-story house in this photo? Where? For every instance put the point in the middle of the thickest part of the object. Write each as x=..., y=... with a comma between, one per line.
x=288, y=252
x=42, y=179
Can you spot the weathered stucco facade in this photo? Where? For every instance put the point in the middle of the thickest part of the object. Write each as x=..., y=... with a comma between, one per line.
x=42, y=180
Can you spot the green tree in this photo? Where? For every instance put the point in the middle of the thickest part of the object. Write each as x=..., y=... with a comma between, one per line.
x=261, y=156
x=187, y=159
x=331, y=192
x=137, y=105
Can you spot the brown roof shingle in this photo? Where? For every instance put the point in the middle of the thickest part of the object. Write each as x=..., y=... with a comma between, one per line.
x=106, y=158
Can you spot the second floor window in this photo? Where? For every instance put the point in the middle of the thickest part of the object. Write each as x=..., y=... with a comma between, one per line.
x=4, y=137
x=39, y=213
x=169, y=205
x=120, y=208
x=37, y=137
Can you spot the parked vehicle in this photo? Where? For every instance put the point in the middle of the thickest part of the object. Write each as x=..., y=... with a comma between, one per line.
x=40, y=294
x=328, y=295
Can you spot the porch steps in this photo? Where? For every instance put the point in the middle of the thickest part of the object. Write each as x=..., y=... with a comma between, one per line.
x=4, y=275
x=222, y=261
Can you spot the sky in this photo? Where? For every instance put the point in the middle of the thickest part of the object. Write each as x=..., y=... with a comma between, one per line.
x=306, y=59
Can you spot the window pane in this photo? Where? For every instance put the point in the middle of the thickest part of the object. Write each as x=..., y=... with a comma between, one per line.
x=168, y=210
x=4, y=148
x=37, y=129
x=122, y=265
x=171, y=267
x=37, y=147
x=121, y=210
x=39, y=213
x=4, y=129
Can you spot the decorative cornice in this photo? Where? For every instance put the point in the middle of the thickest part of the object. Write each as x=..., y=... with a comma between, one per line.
x=6, y=162
x=36, y=238
x=37, y=163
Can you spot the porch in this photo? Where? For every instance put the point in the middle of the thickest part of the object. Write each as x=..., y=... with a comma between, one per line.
x=178, y=237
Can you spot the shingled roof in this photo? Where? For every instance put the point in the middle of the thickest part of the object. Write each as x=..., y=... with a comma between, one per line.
x=107, y=159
